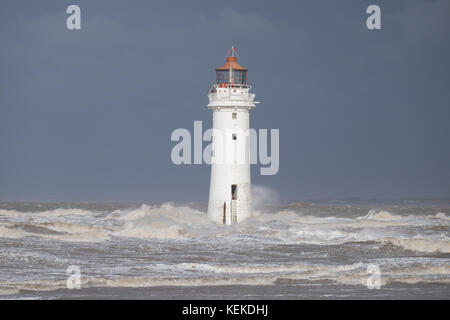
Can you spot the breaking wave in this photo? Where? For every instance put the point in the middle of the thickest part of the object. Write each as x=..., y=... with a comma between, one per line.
x=381, y=216
x=168, y=221
x=421, y=245
x=175, y=245
x=258, y=275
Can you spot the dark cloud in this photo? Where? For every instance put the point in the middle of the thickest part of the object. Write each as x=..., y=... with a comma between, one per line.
x=87, y=115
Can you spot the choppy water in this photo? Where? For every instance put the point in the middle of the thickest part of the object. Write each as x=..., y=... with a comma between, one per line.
x=302, y=250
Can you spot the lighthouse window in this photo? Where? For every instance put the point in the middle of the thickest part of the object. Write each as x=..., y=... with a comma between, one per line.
x=234, y=136
x=237, y=76
x=240, y=76
x=222, y=76
x=234, y=192
x=233, y=116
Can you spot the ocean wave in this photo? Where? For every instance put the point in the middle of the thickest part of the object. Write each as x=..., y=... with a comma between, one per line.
x=381, y=215
x=48, y=213
x=225, y=275
x=11, y=233
x=8, y=256
x=54, y=230
x=441, y=215
x=169, y=221
x=420, y=245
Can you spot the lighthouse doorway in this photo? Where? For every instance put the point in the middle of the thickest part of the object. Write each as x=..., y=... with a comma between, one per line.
x=234, y=192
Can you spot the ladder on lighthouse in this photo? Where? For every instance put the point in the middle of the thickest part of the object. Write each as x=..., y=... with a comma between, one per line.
x=233, y=211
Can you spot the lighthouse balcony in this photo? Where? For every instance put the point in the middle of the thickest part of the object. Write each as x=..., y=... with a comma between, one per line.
x=231, y=95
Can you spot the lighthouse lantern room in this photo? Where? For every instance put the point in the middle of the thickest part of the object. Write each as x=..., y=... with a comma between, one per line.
x=230, y=100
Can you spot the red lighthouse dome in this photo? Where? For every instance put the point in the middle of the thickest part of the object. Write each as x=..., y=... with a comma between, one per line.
x=231, y=71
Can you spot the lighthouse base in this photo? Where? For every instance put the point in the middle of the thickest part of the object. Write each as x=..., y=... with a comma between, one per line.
x=230, y=209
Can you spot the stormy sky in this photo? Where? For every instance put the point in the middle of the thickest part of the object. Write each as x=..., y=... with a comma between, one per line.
x=86, y=115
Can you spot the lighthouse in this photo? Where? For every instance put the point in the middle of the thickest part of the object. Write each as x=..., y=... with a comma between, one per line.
x=230, y=199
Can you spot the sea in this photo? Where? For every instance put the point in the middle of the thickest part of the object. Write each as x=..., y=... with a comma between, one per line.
x=318, y=249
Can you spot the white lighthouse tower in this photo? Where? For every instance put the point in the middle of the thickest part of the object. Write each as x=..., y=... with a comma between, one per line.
x=230, y=199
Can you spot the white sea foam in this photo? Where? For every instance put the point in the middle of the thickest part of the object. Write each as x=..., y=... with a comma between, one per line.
x=381, y=216
x=174, y=245
x=421, y=245
x=220, y=275
x=157, y=230
x=48, y=213
x=11, y=233
x=441, y=215
x=169, y=221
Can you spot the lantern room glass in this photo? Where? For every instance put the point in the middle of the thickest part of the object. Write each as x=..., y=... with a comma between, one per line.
x=238, y=76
